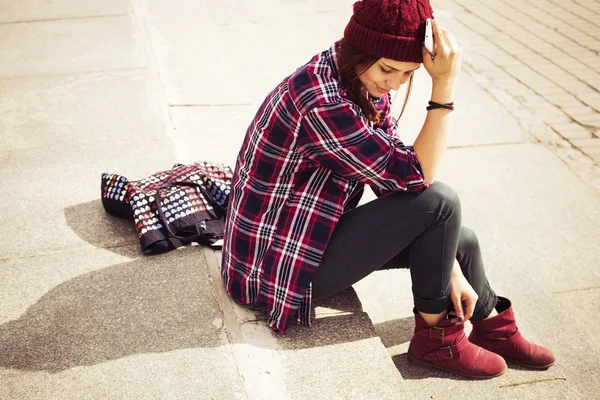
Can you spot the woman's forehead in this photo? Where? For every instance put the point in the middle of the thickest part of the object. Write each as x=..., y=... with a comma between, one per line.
x=399, y=65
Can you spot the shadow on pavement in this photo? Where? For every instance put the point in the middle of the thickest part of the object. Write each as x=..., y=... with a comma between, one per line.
x=99, y=228
x=339, y=319
x=150, y=305
x=396, y=331
x=410, y=371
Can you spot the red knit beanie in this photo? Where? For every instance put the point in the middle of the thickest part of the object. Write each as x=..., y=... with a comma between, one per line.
x=392, y=29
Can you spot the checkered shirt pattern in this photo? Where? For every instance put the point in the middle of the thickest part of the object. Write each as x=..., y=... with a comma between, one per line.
x=308, y=148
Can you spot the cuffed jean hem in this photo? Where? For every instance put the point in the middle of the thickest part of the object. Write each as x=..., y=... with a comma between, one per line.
x=485, y=307
x=435, y=306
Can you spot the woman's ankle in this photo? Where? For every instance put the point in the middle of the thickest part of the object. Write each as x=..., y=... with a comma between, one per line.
x=492, y=314
x=434, y=319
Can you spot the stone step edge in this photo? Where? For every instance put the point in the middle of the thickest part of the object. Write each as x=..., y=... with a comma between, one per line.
x=257, y=351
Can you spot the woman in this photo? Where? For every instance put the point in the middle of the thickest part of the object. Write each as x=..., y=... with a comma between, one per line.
x=294, y=232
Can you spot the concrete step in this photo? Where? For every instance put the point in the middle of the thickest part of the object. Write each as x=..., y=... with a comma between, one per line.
x=339, y=357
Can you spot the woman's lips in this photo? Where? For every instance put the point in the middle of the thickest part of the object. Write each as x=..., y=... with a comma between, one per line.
x=381, y=90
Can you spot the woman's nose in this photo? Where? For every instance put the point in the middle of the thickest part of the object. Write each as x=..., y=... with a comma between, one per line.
x=395, y=82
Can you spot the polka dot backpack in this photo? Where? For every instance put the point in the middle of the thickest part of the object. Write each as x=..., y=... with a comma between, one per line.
x=172, y=208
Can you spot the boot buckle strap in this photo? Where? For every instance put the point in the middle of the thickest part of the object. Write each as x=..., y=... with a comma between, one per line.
x=439, y=333
x=448, y=353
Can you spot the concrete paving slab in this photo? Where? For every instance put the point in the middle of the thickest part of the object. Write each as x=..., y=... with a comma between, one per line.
x=25, y=281
x=333, y=15
x=231, y=76
x=534, y=209
x=235, y=73
x=339, y=356
x=60, y=134
x=31, y=10
x=355, y=370
x=555, y=389
x=208, y=14
x=89, y=44
x=581, y=304
x=85, y=110
x=147, y=327
x=213, y=133
x=478, y=118
x=426, y=384
x=343, y=303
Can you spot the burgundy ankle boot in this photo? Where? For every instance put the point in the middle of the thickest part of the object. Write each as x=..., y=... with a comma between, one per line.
x=446, y=347
x=501, y=335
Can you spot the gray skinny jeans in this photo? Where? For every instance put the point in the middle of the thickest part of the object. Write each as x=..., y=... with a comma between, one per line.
x=419, y=231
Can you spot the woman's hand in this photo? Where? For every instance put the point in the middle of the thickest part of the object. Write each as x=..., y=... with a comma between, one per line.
x=444, y=67
x=461, y=292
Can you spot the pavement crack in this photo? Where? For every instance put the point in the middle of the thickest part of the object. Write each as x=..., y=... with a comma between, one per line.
x=468, y=146
x=210, y=105
x=67, y=251
x=576, y=290
x=29, y=21
x=252, y=321
x=77, y=74
x=531, y=382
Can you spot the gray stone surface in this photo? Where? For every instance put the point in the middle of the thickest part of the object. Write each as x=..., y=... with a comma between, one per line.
x=205, y=129
x=60, y=133
x=82, y=113
x=234, y=73
x=349, y=370
x=478, y=118
x=124, y=326
x=69, y=46
x=25, y=281
x=555, y=389
x=529, y=208
x=581, y=304
x=30, y=10
x=339, y=356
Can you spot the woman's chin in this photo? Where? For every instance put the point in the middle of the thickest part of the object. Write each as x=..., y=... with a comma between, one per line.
x=375, y=95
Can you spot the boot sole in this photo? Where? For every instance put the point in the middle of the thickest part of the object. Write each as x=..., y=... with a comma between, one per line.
x=420, y=363
x=531, y=366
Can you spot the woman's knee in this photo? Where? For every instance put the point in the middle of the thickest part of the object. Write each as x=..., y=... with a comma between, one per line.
x=468, y=243
x=468, y=252
x=443, y=198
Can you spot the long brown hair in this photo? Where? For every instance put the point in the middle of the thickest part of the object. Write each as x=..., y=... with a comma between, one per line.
x=352, y=63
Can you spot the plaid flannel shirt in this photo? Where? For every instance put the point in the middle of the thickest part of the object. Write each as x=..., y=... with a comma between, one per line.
x=308, y=149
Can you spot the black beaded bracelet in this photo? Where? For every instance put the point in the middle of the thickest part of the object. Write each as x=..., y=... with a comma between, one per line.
x=433, y=105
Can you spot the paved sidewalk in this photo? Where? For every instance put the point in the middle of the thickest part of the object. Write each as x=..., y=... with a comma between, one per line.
x=135, y=86
x=541, y=60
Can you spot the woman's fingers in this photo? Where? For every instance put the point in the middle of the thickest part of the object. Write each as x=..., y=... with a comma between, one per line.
x=451, y=41
x=457, y=302
x=469, y=307
x=438, y=36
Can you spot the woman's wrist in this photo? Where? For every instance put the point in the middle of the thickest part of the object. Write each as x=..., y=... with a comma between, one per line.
x=442, y=91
